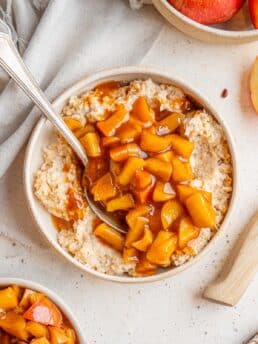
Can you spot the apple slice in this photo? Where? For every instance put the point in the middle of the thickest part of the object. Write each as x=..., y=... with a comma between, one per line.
x=208, y=11
x=254, y=84
x=253, y=8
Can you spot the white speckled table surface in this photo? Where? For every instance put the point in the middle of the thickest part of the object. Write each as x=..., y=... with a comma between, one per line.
x=170, y=311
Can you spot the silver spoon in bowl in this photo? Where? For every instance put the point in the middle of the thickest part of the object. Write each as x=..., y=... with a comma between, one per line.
x=12, y=63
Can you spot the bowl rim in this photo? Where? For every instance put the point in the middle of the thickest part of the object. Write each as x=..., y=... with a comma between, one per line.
x=142, y=72
x=240, y=34
x=6, y=281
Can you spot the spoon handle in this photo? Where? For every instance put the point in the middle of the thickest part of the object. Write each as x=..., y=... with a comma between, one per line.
x=239, y=270
x=13, y=64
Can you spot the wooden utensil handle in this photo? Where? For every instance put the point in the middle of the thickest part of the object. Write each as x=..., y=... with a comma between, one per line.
x=229, y=288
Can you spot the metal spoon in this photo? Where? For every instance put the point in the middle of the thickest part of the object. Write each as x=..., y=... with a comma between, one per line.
x=13, y=64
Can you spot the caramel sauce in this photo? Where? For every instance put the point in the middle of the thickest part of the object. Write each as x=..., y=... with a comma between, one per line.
x=61, y=224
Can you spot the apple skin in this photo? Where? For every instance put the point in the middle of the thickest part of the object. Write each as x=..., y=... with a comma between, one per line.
x=208, y=11
x=253, y=8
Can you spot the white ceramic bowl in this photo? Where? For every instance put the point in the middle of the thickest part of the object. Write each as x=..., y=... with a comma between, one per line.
x=6, y=281
x=238, y=30
x=44, y=133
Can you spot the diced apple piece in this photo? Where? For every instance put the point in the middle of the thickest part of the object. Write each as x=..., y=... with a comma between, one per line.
x=166, y=156
x=89, y=128
x=171, y=122
x=110, y=141
x=71, y=335
x=128, y=132
x=25, y=301
x=163, y=192
x=201, y=211
x=104, y=188
x=151, y=142
x=182, y=171
x=124, y=202
x=44, y=312
x=185, y=191
x=142, y=111
x=108, y=127
x=159, y=168
x=8, y=298
x=110, y=236
x=145, y=241
x=139, y=211
x=181, y=146
x=253, y=9
x=170, y=212
x=142, y=179
x=130, y=255
x=15, y=325
x=37, y=330
x=123, y=152
x=72, y=123
x=186, y=232
x=208, y=11
x=254, y=84
x=36, y=297
x=91, y=143
x=58, y=335
x=144, y=195
x=145, y=267
x=162, y=248
x=131, y=166
x=136, y=231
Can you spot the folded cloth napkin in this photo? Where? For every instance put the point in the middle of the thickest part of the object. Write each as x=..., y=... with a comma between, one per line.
x=63, y=41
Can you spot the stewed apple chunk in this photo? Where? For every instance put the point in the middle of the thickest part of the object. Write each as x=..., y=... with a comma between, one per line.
x=154, y=143
x=136, y=231
x=109, y=126
x=201, y=210
x=110, y=236
x=104, y=188
x=124, y=202
x=8, y=298
x=186, y=232
x=145, y=241
x=145, y=267
x=181, y=146
x=170, y=212
x=129, y=170
x=160, y=169
x=122, y=153
x=91, y=143
x=142, y=111
x=162, y=248
x=163, y=192
x=170, y=123
x=140, y=170
x=182, y=171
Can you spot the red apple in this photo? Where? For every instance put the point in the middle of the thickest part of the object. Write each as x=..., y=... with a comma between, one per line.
x=253, y=8
x=209, y=11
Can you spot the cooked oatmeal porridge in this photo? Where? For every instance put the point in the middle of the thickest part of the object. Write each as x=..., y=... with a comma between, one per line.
x=156, y=160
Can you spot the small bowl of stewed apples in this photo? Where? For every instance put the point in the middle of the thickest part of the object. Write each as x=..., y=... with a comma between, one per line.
x=161, y=160
x=32, y=314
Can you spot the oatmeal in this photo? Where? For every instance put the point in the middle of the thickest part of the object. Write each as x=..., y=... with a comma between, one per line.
x=155, y=160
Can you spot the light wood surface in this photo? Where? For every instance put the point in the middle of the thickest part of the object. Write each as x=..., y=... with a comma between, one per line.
x=239, y=269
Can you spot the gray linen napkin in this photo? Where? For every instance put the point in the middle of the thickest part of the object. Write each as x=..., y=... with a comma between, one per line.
x=64, y=41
